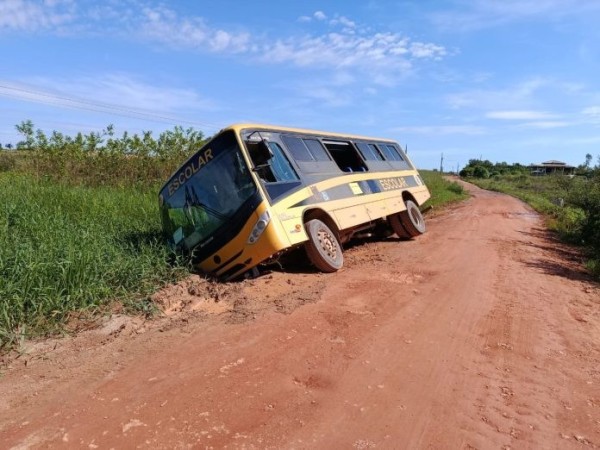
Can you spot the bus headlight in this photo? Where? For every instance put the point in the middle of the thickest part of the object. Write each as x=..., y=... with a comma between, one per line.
x=259, y=227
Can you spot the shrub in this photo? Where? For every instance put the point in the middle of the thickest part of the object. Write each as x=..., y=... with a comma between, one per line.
x=467, y=172
x=456, y=188
x=7, y=161
x=586, y=195
x=481, y=172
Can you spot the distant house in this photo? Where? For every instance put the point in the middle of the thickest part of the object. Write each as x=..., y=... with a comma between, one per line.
x=551, y=167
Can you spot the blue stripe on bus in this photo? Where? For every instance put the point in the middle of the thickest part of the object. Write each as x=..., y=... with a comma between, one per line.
x=372, y=186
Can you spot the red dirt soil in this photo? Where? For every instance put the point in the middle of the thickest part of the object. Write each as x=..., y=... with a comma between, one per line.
x=482, y=333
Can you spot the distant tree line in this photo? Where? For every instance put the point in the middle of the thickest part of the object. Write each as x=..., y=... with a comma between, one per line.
x=478, y=168
x=101, y=158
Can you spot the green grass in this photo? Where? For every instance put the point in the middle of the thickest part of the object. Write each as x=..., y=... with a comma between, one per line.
x=539, y=192
x=443, y=192
x=65, y=249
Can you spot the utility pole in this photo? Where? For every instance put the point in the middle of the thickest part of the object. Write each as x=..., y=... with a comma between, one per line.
x=442, y=164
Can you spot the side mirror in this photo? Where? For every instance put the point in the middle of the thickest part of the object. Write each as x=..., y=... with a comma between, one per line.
x=259, y=152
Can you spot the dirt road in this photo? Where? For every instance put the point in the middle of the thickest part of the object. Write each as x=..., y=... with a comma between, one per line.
x=483, y=333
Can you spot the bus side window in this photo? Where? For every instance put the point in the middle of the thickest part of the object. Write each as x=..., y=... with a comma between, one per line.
x=393, y=150
x=281, y=168
x=345, y=156
x=297, y=148
x=316, y=150
x=369, y=152
x=390, y=152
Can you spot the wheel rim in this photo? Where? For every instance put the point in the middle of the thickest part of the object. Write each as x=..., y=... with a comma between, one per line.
x=328, y=243
x=415, y=218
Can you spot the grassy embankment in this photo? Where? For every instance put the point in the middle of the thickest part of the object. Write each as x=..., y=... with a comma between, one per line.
x=76, y=240
x=73, y=250
x=571, y=206
x=443, y=192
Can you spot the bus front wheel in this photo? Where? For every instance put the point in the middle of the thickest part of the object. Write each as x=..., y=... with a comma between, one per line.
x=323, y=248
x=409, y=223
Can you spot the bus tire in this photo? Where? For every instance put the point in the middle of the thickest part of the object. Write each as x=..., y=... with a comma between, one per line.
x=409, y=223
x=396, y=225
x=323, y=248
x=412, y=219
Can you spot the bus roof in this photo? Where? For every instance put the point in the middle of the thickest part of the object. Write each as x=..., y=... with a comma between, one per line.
x=261, y=126
x=237, y=127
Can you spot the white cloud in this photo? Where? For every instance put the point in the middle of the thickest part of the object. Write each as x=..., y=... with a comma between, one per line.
x=165, y=26
x=421, y=50
x=344, y=22
x=347, y=50
x=480, y=14
x=519, y=115
x=592, y=113
x=546, y=124
x=26, y=15
x=320, y=15
x=388, y=56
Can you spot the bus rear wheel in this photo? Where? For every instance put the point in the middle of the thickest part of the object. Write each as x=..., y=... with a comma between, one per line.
x=409, y=223
x=323, y=248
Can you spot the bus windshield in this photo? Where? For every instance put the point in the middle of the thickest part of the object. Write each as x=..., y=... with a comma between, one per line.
x=205, y=193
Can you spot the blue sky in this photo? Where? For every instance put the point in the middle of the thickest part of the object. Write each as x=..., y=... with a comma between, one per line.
x=510, y=80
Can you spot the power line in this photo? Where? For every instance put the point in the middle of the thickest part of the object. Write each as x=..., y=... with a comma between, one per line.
x=100, y=107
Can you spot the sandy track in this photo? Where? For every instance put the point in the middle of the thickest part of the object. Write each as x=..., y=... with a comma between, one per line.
x=483, y=333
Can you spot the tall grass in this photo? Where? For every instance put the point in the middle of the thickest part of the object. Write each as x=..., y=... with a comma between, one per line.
x=68, y=248
x=442, y=190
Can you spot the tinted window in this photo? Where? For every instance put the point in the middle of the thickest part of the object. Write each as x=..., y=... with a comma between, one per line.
x=280, y=166
x=297, y=148
x=376, y=152
x=390, y=152
x=317, y=150
x=369, y=152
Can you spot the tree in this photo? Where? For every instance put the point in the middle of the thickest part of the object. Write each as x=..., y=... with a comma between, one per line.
x=26, y=129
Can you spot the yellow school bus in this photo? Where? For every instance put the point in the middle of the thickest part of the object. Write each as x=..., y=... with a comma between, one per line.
x=255, y=191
